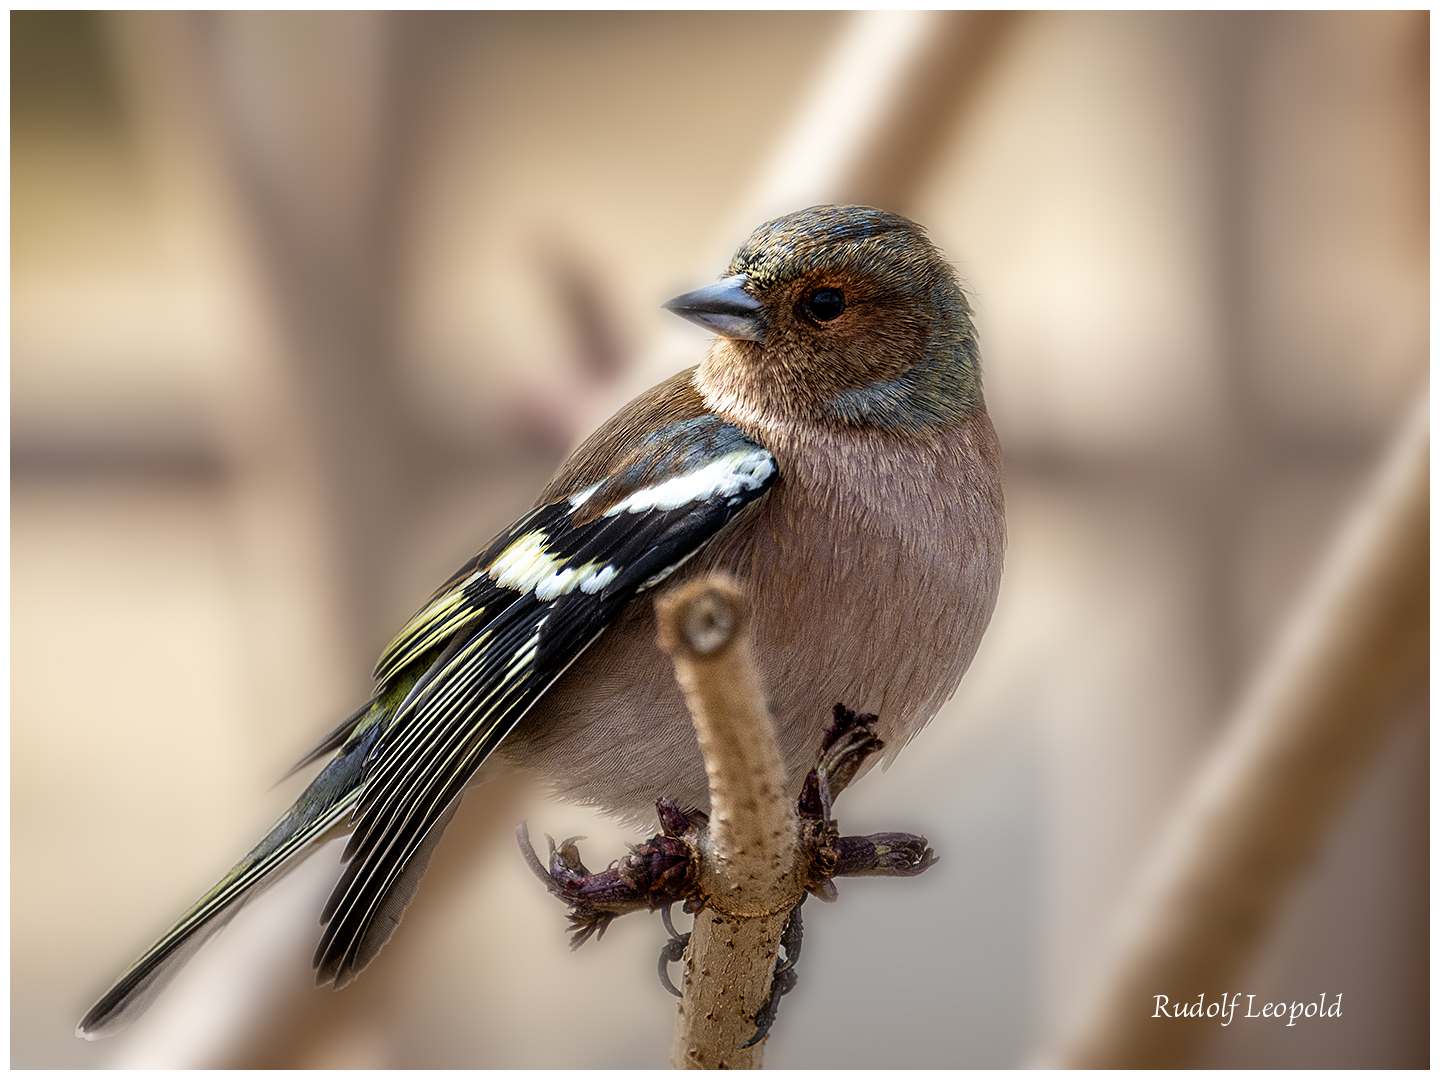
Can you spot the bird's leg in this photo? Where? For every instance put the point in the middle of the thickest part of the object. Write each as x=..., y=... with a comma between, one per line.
x=849, y=741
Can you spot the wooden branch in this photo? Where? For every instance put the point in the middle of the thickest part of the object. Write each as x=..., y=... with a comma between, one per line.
x=744, y=869
x=750, y=870
x=1266, y=797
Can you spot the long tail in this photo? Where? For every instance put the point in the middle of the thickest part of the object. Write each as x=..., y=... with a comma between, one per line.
x=324, y=806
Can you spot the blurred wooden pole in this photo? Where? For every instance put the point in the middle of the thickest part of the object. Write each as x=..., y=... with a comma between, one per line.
x=749, y=867
x=314, y=113
x=1265, y=799
x=876, y=116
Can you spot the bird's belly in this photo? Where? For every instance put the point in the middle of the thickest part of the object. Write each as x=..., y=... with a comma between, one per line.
x=876, y=618
x=880, y=610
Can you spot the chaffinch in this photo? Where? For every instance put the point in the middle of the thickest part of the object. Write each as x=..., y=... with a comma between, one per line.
x=831, y=453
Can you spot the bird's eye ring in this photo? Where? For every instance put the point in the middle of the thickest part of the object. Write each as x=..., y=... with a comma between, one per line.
x=823, y=305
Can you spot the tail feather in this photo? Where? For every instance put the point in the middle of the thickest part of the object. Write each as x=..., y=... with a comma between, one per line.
x=324, y=807
x=382, y=924
x=337, y=738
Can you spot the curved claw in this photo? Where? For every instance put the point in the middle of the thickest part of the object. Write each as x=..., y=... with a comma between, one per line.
x=669, y=925
x=539, y=869
x=791, y=937
x=765, y=1019
x=672, y=951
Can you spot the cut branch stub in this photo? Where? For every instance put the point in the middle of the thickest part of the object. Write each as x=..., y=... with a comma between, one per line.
x=752, y=869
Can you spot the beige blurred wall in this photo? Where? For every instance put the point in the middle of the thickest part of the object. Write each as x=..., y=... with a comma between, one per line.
x=304, y=307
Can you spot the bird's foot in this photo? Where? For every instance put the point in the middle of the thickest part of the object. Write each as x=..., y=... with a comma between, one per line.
x=654, y=875
x=664, y=869
x=849, y=742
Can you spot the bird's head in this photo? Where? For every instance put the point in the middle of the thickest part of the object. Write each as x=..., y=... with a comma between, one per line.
x=839, y=314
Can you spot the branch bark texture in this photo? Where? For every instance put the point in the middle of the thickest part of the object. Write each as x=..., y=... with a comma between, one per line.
x=750, y=869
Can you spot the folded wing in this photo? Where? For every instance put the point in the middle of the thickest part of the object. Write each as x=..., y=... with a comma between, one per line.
x=501, y=632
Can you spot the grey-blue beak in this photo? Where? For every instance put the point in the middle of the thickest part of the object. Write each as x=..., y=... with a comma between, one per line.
x=724, y=307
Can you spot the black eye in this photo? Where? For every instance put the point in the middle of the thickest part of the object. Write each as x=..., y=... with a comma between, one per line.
x=825, y=304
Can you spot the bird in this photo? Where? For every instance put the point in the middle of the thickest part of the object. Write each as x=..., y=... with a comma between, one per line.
x=831, y=453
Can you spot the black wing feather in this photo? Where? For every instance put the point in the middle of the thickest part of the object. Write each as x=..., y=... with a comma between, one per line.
x=507, y=636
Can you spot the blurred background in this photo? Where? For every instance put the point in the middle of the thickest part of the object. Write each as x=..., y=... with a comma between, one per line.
x=305, y=307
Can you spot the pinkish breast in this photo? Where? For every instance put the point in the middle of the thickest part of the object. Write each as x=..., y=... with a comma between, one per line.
x=872, y=566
